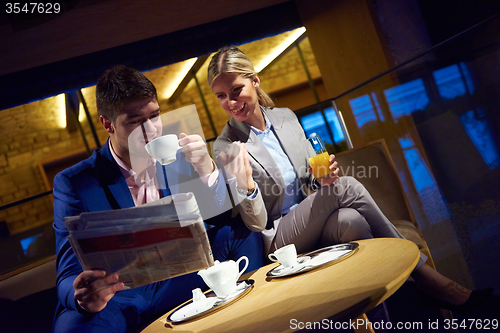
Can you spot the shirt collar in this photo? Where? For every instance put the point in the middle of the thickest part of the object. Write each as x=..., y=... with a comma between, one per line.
x=268, y=125
x=126, y=171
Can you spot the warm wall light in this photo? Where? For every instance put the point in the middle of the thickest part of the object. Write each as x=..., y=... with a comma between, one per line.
x=174, y=76
x=60, y=111
x=292, y=37
x=81, y=113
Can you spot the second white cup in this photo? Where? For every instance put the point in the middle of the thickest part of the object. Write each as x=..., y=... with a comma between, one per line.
x=286, y=255
x=163, y=148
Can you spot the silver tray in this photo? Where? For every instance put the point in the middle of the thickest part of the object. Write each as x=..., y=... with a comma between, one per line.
x=212, y=303
x=314, y=259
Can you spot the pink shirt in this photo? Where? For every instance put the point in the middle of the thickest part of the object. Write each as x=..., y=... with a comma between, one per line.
x=144, y=186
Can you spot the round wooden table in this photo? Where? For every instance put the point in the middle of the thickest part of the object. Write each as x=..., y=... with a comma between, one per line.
x=328, y=294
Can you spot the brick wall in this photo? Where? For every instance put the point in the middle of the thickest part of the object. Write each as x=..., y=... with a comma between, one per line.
x=31, y=136
x=289, y=71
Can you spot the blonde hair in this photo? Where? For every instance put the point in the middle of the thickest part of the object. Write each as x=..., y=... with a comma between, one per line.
x=231, y=59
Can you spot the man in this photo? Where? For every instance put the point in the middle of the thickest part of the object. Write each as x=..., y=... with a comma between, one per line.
x=94, y=300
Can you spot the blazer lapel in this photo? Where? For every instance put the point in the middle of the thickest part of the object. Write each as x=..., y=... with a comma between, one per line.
x=257, y=151
x=111, y=178
x=289, y=144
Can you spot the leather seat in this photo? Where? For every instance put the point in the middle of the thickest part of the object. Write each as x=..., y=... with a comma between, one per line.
x=372, y=166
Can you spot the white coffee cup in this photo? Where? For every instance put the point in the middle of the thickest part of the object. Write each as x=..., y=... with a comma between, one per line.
x=222, y=277
x=163, y=148
x=286, y=255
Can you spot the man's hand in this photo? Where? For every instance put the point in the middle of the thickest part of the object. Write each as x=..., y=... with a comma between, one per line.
x=235, y=162
x=332, y=176
x=196, y=153
x=93, y=289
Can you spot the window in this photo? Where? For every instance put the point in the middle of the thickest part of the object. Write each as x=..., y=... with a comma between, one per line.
x=406, y=98
x=479, y=132
x=315, y=123
x=363, y=110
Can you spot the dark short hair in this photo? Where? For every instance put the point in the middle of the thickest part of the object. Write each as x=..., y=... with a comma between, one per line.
x=121, y=85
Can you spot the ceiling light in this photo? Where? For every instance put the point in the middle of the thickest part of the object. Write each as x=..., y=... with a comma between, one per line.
x=276, y=51
x=60, y=110
x=81, y=113
x=174, y=76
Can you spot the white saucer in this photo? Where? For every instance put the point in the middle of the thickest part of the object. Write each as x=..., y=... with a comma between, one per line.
x=192, y=310
x=315, y=259
x=284, y=271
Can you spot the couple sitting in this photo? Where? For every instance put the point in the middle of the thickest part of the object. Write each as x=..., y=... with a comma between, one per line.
x=261, y=149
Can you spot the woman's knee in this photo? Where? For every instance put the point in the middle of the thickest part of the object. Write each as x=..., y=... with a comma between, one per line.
x=346, y=225
x=345, y=185
x=352, y=186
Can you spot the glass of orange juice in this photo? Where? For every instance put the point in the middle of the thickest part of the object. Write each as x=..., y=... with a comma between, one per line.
x=318, y=156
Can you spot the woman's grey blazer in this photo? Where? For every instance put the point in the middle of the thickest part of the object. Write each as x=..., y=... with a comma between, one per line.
x=266, y=172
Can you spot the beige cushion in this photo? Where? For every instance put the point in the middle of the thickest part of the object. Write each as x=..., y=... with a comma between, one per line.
x=29, y=282
x=372, y=166
x=409, y=231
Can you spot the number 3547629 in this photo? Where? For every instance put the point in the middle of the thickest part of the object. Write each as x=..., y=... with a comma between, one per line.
x=32, y=8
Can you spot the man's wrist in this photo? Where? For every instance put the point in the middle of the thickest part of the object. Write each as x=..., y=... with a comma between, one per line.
x=82, y=310
x=206, y=168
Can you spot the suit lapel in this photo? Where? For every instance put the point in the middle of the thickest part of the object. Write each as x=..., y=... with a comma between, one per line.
x=112, y=179
x=257, y=151
x=289, y=144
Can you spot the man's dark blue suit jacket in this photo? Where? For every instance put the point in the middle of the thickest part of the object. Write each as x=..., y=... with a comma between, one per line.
x=97, y=184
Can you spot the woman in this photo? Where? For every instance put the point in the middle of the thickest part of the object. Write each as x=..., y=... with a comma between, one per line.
x=264, y=148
